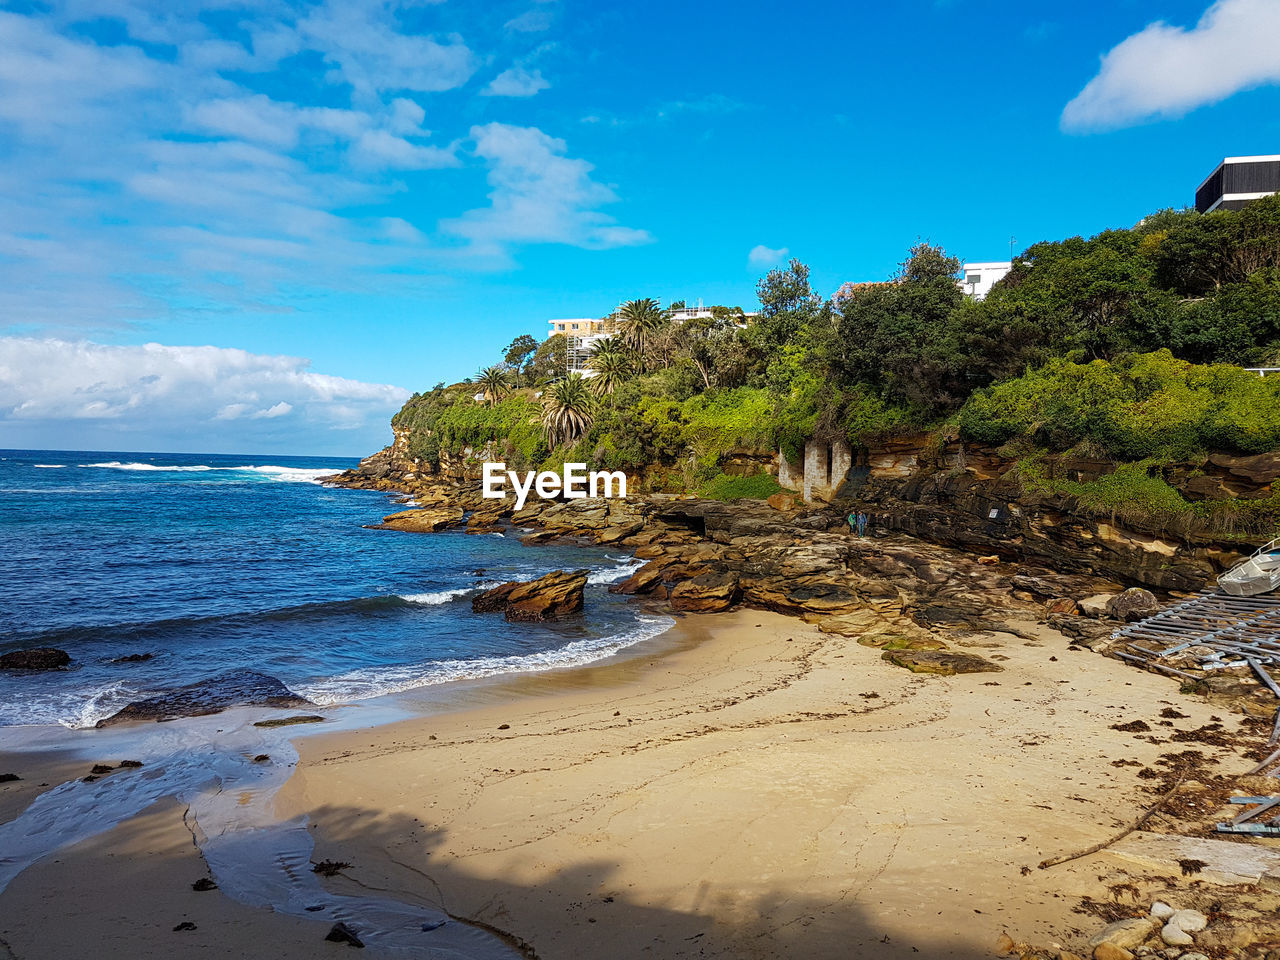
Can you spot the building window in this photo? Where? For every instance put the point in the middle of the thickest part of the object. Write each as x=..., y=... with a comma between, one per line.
x=973, y=278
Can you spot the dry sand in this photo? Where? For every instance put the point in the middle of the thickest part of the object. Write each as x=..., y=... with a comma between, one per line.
x=744, y=787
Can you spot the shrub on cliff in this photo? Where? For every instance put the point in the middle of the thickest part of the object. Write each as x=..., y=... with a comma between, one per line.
x=1141, y=405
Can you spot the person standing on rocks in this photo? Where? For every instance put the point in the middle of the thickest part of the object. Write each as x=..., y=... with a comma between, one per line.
x=862, y=523
x=853, y=522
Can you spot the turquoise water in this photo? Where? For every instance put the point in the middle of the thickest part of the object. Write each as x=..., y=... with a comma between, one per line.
x=213, y=563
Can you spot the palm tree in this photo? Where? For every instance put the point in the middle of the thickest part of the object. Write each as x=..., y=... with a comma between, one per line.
x=494, y=383
x=566, y=411
x=610, y=363
x=640, y=320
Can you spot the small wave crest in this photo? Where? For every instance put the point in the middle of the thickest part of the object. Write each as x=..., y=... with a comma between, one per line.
x=117, y=465
x=48, y=466
x=438, y=597
x=378, y=681
x=267, y=471
x=624, y=569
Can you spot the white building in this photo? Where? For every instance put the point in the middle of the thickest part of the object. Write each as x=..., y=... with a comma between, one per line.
x=979, y=278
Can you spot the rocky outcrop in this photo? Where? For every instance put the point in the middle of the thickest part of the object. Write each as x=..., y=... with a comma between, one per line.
x=40, y=658
x=423, y=520
x=1133, y=604
x=239, y=688
x=946, y=663
x=707, y=593
x=971, y=498
x=553, y=597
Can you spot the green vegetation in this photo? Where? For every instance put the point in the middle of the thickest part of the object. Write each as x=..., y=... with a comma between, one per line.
x=724, y=487
x=1140, y=405
x=1128, y=343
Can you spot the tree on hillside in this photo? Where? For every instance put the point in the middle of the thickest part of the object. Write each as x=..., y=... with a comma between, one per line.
x=716, y=347
x=494, y=382
x=550, y=361
x=639, y=321
x=610, y=363
x=518, y=354
x=895, y=335
x=566, y=411
x=787, y=305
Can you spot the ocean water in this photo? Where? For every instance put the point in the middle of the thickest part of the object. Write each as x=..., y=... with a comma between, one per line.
x=217, y=563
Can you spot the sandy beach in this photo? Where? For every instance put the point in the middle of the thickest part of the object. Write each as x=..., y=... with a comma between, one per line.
x=744, y=787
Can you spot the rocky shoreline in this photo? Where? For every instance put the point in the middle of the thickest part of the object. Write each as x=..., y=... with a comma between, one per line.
x=925, y=604
x=912, y=597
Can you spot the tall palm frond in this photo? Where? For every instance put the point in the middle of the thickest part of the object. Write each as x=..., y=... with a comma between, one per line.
x=611, y=365
x=494, y=383
x=639, y=320
x=566, y=411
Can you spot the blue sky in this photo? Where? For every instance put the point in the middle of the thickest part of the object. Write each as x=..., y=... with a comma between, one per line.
x=254, y=227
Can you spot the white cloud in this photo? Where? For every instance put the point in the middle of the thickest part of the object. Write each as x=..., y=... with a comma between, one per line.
x=166, y=391
x=538, y=196
x=383, y=150
x=1166, y=71
x=762, y=256
x=533, y=21
x=357, y=36
x=205, y=188
x=516, y=82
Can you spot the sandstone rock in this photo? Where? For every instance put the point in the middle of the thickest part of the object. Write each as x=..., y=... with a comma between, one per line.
x=1161, y=910
x=1175, y=936
x=1035, y=586
x=888, y=639
x=854, y=624
x=649, y=552
x=1133, y=604
x=1064, y=605
x=423, y=520
x=1096, y=605
x=642, y=581
x=556, y=595
x=615, y=533
x=1109, y=951
x=989, y=561
x=708, y=593
x=1188, y=921
x=235, y=688
x=1128, y=933
x=40, y=658
x=946, y=663
x=782, y=501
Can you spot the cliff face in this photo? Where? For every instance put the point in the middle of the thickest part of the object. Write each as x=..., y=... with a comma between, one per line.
x=394, y=468
x=971, y=497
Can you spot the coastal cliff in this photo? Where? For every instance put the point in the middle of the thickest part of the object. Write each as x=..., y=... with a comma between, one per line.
x=943, y=491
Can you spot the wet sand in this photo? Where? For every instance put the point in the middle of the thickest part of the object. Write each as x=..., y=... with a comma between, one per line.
x=743, y=787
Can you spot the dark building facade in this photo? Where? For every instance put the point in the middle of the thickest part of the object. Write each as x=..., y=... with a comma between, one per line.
x=1236, y=181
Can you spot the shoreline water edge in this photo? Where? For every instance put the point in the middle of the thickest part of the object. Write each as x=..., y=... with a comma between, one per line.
x=765, y=780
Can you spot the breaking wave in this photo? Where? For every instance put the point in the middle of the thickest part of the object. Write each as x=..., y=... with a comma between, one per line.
x=378, y=681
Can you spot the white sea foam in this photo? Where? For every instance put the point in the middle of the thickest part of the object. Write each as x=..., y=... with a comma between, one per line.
x=438, y=597
x=290, y=474
x=270, y=471
x=48, y=466
x=623, y=570
x=375, y=682
x=117, y=465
